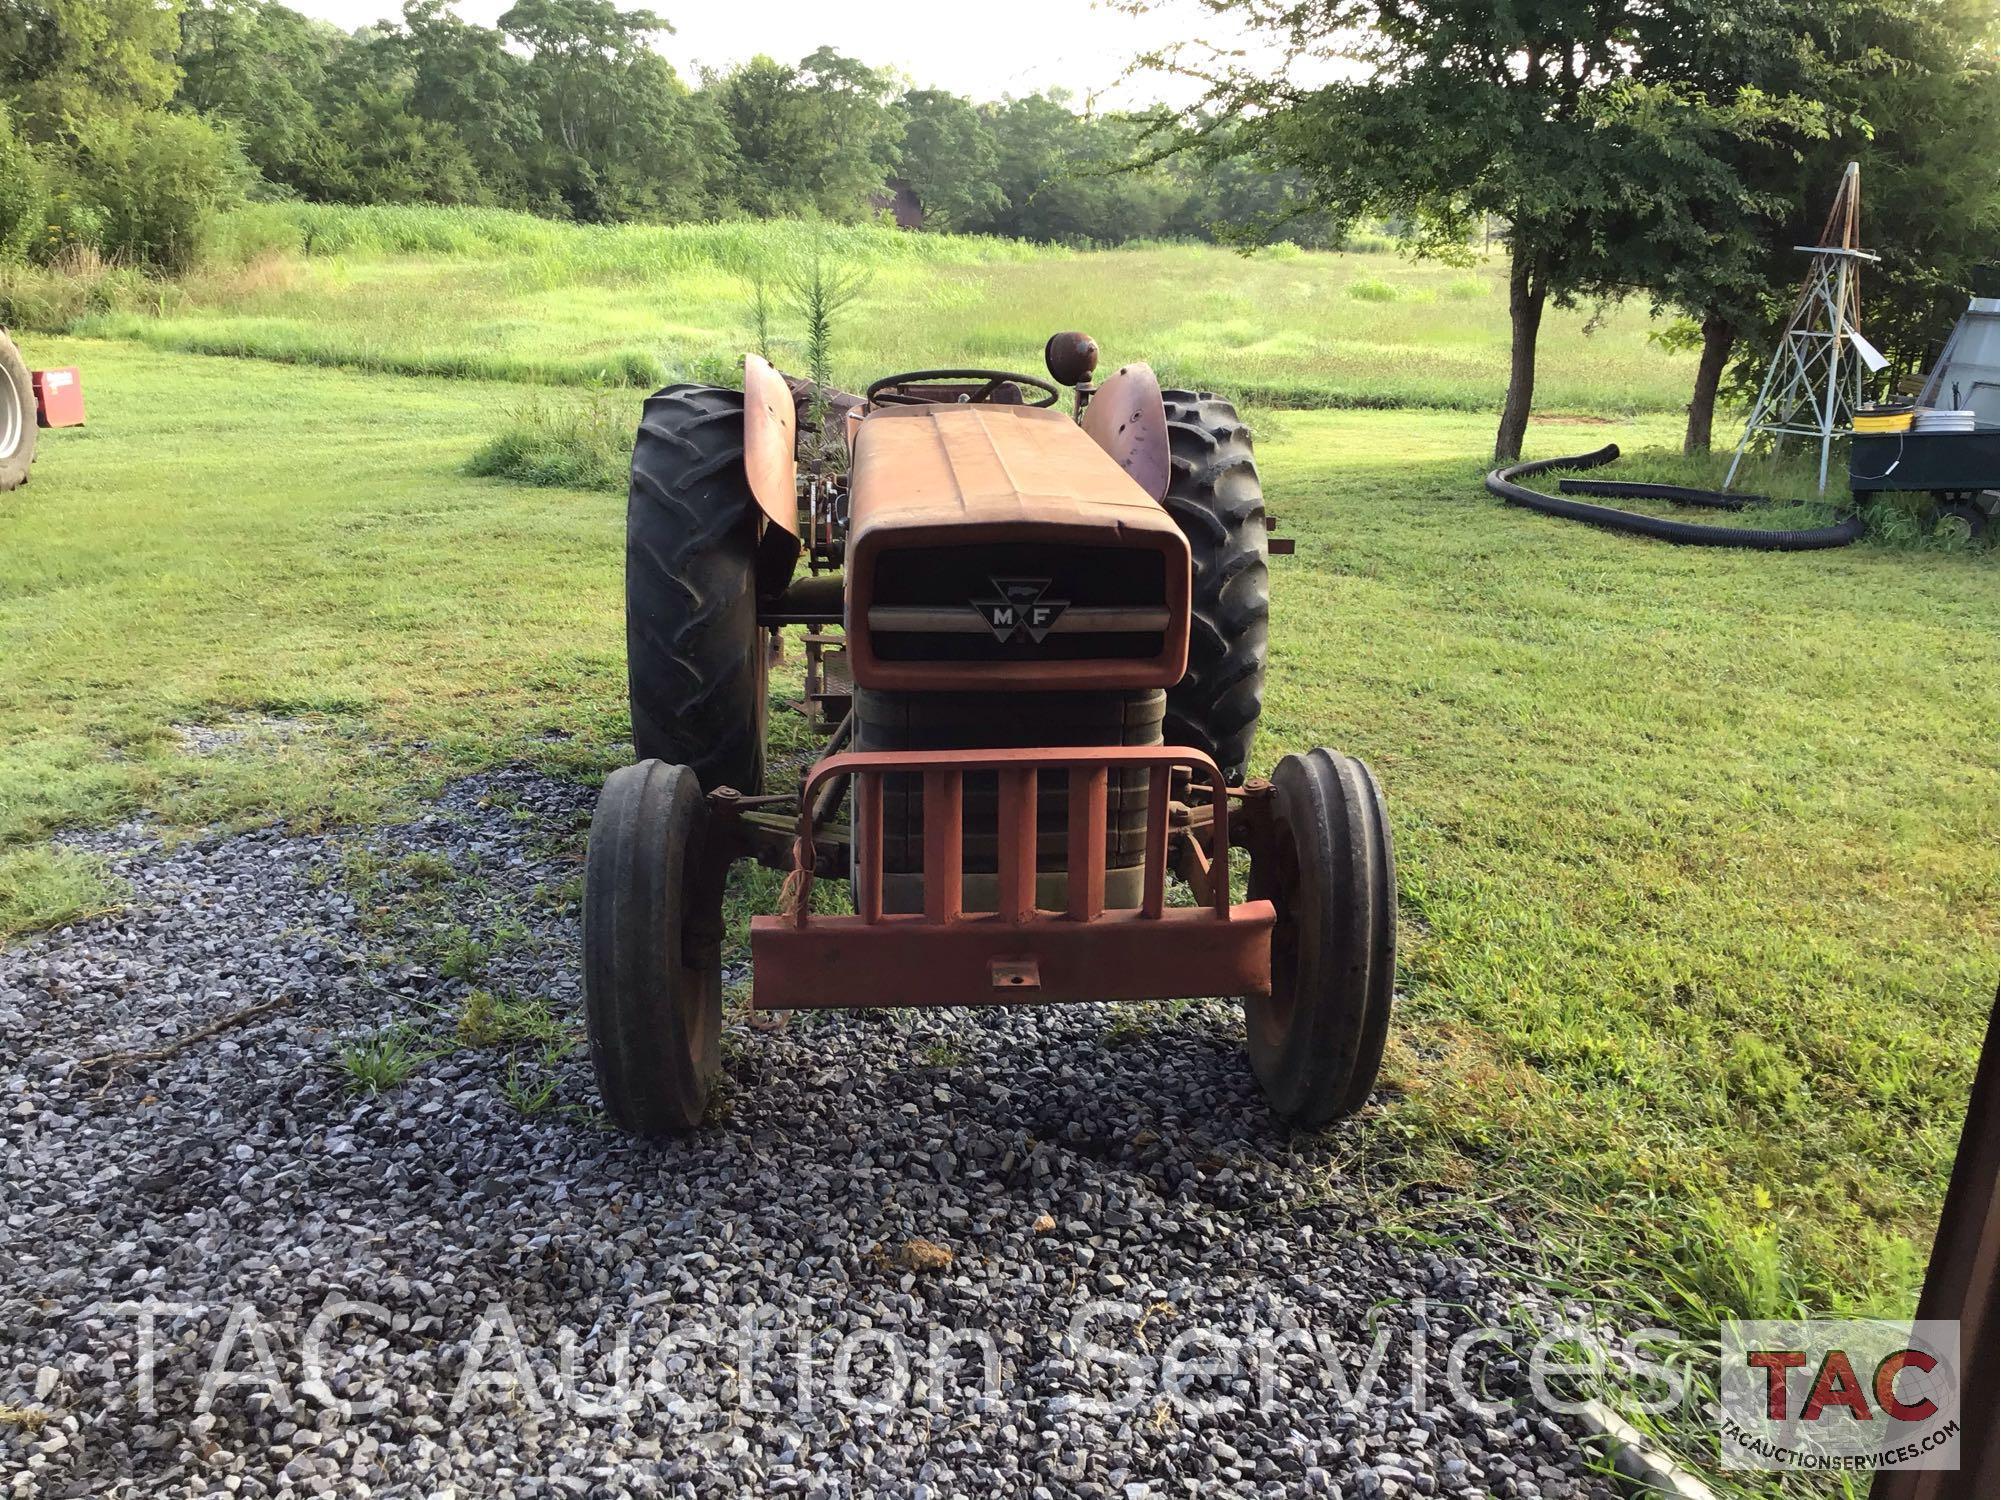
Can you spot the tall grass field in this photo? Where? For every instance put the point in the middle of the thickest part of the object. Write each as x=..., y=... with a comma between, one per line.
x=1696, y=847
x=500, y=296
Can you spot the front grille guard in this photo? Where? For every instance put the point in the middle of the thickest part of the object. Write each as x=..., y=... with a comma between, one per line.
x=946, y=955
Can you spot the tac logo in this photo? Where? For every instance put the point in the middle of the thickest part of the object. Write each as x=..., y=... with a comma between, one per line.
x=1847, y=1396
x=1019, y=607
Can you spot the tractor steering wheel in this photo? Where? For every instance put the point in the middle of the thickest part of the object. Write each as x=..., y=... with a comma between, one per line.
x=955, y=387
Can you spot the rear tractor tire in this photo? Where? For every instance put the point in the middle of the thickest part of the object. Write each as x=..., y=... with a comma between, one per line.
x=653, y=936
x=1215, y=498
x=17, y=417
x=1316, y=1043
x=695, y=659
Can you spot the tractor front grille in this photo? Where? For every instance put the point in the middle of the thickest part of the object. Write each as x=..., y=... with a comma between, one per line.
x=1018, y=603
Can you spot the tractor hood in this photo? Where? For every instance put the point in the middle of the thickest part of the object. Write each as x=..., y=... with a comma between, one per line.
x=1000, y=547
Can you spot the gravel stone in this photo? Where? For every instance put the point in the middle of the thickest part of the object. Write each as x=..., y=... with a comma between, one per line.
x=1123, y=1219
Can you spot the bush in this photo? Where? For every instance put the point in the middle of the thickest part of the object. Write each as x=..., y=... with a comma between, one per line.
x=76, y=284
x=23, y=194
x=155, y=182
x=572, y=445
x=76, y=224
x=1367, y=242
x=1369, y=289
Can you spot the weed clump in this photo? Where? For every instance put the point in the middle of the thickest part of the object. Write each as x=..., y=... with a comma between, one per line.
x=564, y=444
x=376, y=1063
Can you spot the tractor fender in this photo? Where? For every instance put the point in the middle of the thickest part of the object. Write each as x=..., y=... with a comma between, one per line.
x=770, y=444
x=1128, y=420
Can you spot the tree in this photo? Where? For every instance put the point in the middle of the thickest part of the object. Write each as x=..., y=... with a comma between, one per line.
x=258, y=65
x=23, y=194
x=371, y=149
x=1929, y=166
x=949, y=159
x=1031, y=142
x=820, y=137
x=619, y=133
x=1075, y=179
x=1556, y=116
x=66, y=63
x=1907, y=88
x=1711, y=254
x=155, y=180
x=462, y=76
x=1229, y=197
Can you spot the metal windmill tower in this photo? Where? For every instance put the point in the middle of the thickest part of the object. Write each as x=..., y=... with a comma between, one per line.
x=1814, y=382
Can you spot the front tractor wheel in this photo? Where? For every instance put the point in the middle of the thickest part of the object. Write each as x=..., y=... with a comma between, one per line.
x=1317, y=1043
x=653, y=934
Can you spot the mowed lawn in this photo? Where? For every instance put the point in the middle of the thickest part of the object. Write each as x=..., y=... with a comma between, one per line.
x=1696, y=848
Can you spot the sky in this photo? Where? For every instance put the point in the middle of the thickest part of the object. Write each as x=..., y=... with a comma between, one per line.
x=983, y=51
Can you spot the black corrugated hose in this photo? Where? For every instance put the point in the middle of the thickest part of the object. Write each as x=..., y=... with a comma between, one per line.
x=1688, y=533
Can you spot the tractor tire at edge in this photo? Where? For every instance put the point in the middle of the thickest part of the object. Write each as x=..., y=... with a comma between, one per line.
x=1215, y=498
x=17, y=417
x=695, y=663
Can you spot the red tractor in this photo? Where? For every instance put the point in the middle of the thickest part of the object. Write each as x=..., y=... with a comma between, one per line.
x=1038, y=643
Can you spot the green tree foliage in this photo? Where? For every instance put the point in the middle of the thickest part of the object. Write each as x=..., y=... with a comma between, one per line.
x=1060, y=174
x=1905, y=87
x=154, y=180
x=1230, y=197
x=98, y=157
x=462, y=77
x=818, y=137
x=1930, y=159
x=565, y=107
x=1566, y=119
x=371, y=149
x=64, y=63
x=259, y=66
x=607, y=111
x=950, y=160
x=24, y=200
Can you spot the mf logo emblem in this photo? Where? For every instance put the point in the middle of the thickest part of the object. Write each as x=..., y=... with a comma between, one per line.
x=1019, y=606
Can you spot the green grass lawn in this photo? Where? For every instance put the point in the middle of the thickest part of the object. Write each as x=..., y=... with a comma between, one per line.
x=1696, y=848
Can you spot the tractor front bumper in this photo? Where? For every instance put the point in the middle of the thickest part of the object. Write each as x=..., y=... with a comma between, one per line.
x=1019, y=952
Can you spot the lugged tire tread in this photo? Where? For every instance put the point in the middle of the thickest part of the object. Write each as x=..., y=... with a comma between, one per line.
x=1214, y=497
x=694, y=663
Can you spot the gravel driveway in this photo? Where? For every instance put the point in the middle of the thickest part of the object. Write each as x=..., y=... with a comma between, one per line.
x=1028, y=1252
